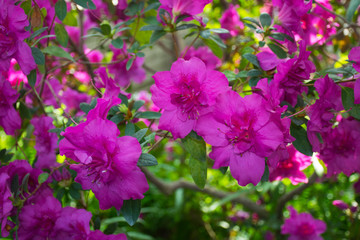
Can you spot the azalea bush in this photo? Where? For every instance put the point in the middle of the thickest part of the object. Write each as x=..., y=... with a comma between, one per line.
x=169, y=119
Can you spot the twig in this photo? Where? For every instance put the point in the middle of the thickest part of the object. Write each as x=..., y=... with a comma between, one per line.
x=192, y=43
x=169, y=188
x=290, y=195
x=176, y=49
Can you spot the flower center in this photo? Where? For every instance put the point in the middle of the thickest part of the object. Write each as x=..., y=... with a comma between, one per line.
x=190, y=99
x=306, y=229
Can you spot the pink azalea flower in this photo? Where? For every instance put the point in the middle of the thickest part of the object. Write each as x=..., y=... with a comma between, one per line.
x=107, y=164
x=302, y=226
x=291, y=74
x=46, y=142
x=242, y=133
x=354, y=56
x=72, y=99
x=123, y=77
x=340, y=204
x=340, y=151
x=15, y=77
x=230, y=20
x=13, y=21
x=185, y=93
x=9, y=118
x=204, y=54
x=289, y=165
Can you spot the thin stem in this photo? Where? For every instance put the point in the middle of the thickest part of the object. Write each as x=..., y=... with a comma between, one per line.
x=176, y=49
x=191, y=44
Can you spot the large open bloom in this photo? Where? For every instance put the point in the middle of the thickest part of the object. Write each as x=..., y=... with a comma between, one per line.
x=242, y=133
x=107, y=163
x=185, y=93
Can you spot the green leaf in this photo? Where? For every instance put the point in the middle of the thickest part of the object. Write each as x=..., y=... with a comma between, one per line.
x=146, y=160
x=265, y=19
x=32, y=78
x=353, y=6
x=118, y=43
x=24, y=183
x=37, y=33
x=85, y=107
x=198, y=170
x=38, y=56
x=301, y=143
x=74, y=193
x=230, y=75
x=140, y=134
x=148, y=115
x=219, y=30
x=24, y=111
x=131, y=210
x=14, y=184
x=43, y=177
x=186, y=26
x=88, y=4
x=58, y=52
x=105, y=29
x=129, y=63
x=347, y=98
x=60, y=9
x=278, y=36
x=195, y=145
x=265, y=176
x=214, y=47
x=70, y=19
x=151, y=6
x=251, y=58
x=218, y=41
x=151, y=28
x=156, y=35
x=129, y=129
x=280, y=53
x=252, y=20
x=254, y=73
x=205, y=33
x=61, y=35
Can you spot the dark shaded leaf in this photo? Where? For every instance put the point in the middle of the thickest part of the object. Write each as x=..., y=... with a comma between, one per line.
x=131, y=210
x=146, y=160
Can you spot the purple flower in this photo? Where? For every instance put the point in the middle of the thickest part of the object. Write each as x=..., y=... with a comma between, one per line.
x=5, y=203
x=354, y=56
x=290, y=163
x=9, y=117
x=302, y=226
x=72, y=99
x=46, y=142
x=292, y=72
x=72, y=223
x=97, y=234
x=188, y=7
x=185, y=93
x=268, y=60
x=242, y=133
x=340, y=151
x=13, y=21
x=122, y=76
x=37, y=221
x=230, y=20
x=321, y=113
x=107, y=164
x=340, y=204
x=204, y=54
